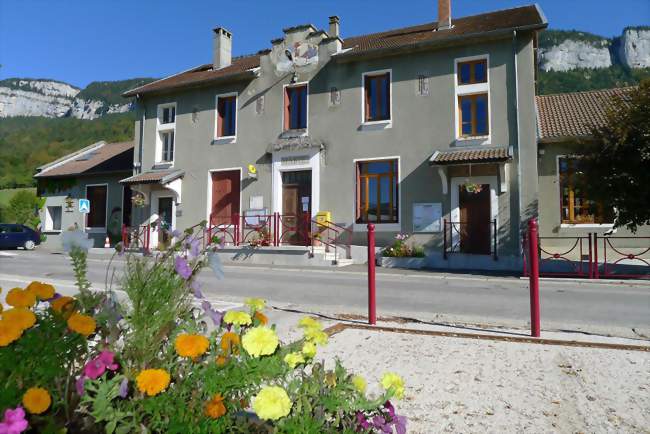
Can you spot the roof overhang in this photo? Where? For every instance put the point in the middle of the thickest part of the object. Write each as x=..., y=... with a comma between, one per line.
x=161, y=177
x=470, y=156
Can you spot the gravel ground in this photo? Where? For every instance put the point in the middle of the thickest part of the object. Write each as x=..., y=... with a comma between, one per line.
x=467, y=385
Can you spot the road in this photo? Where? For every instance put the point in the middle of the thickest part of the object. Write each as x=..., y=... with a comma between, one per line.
x=621, y=309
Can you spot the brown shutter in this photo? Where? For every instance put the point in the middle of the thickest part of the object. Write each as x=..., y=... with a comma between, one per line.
x=366, y=87
x=220, y=117
x=287, y=114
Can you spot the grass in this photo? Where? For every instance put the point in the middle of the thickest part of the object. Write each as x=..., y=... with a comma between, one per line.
x=7, y=193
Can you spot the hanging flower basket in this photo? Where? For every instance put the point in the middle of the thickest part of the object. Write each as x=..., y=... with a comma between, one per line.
x=473, y=188
x=138, y=200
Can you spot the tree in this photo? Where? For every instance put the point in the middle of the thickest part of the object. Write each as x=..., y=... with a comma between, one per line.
x=619, y=163
x=23, y=208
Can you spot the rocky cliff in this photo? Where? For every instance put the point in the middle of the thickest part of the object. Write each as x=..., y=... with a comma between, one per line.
x=53, y=99
x=562, y=50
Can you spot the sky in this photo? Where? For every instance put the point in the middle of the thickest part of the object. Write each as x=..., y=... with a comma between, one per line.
x=79, y=41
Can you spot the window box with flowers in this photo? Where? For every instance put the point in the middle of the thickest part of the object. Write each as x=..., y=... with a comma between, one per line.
x=403, y=254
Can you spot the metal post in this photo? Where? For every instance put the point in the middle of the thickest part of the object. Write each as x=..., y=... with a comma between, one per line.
x=494, y=228
x=534, y=278
x=596, y=272
x=591, y=268
x=372, y=303
x=444, y=238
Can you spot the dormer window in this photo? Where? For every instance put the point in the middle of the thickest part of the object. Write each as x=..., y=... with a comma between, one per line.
x=295, y=107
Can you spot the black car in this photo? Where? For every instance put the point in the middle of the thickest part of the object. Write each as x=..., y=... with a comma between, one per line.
x=13, y=236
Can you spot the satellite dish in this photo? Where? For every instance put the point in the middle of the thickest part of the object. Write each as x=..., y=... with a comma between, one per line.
x=302, y=57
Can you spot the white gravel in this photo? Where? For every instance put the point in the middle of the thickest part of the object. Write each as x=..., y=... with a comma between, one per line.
x=466, y=385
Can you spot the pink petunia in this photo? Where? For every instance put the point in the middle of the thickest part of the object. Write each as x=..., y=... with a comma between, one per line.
x=96, y=367
x=14, y=421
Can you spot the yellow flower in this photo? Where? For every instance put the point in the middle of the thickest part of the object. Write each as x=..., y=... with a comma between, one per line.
x=1, y=306
x=22, y=317
x=43, y=291
x=61, y=303
x=36, y=400
x=191, y=345
x=9, y=332
x=359, y=383
x=294, y=359
x=230, y=342
x=392, y=380
x=263, y=319
x=82, y=324
x=221, y=360
x=255, y=303
x=214, y=408
x=316, y=336
x=309, y=349
x=260, y=341
x=21, y=298
x=237, y=318
x=310, y=323
x=152, y=381
x=272, y=403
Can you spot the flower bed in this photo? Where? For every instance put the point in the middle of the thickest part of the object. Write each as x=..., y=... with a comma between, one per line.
x=401, y=248
x=90, y=363
x=401, y=262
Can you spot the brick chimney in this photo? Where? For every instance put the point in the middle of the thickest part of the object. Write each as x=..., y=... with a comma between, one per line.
x=335, y=27
x=221, y=48
x=444, y=14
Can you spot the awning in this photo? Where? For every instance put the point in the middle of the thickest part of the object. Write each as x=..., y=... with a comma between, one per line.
x=154, y=177
x=469, y=156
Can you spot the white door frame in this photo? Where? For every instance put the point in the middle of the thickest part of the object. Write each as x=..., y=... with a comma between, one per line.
x=454, y=214
x=155, y=195
x=313, y=164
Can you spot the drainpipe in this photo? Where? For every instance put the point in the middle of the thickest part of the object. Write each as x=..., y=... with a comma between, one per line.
x=514, y=49
x=138, y=169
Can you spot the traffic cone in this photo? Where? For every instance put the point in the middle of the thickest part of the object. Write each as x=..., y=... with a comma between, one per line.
x=107, y=243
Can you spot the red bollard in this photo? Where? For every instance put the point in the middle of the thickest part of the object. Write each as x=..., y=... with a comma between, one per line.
x=372, y=302
x=533, y=256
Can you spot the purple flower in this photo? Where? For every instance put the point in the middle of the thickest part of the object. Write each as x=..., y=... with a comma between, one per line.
x=362, y=422
x=124, y=388
x=194, y=247
x=400, y=424
x=196, y=287
x=214, y=315
x=391, y=410
x=14, y=421
x=79, y=385
x=97, y=366
x=176, y=233
x=182, y=267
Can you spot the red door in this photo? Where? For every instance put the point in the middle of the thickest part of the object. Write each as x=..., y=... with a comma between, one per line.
x=225, y=197
x=475, y=226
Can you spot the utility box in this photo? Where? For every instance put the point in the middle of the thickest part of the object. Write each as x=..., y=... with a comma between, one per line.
x=322, y=218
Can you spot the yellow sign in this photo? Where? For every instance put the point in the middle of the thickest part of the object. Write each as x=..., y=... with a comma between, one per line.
x=323, y=218
x=252, y=170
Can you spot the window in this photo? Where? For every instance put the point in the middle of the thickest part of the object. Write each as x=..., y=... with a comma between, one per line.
x=226, y=116
x=377, y=199
x=295, y=108
x=53, y=218
x=472, y=72
x=377, y=97
x=168, y=115
x=473, y=115
x=96, y=218
x=167, y=138
x=576, y=208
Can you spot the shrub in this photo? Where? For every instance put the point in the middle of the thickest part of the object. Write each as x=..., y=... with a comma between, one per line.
x=150, y=363
x=401, y=249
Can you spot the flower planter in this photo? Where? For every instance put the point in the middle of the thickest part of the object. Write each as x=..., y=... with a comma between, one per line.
x=401, y=262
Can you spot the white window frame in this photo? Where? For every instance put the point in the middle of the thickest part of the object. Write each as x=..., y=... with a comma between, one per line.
x=559, y=197
x=225, y=139
x=49, y=221
x=162, y=134
x=379, y=227
x=467, y=90
x=85, y=219
x=284, y=95
x=376, y=125
x=164, y=128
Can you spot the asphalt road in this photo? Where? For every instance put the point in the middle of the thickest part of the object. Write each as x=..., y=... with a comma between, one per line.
x=618, y=308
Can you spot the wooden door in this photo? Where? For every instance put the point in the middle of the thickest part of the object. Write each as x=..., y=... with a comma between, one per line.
x=475, y=215
x=225, y=197
x=165, y=210
x=296, y=206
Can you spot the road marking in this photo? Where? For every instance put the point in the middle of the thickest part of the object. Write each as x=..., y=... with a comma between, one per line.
x=7, y=254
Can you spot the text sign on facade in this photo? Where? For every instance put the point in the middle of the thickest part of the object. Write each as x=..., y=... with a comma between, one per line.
x=295, y=161
x=426, y=217
x=84, y=206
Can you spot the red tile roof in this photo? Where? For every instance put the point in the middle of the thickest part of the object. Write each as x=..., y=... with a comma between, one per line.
x=573, y=114
x=85, y=160
x=525, y=17
x=466, y=156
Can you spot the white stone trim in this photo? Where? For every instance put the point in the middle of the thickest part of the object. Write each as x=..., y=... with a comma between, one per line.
x=454, y=214
x=471, y=89
x=278, y=168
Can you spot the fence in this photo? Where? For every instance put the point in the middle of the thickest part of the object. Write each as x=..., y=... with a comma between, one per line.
x=458, y=238
x=134, y=238
x=591, y=256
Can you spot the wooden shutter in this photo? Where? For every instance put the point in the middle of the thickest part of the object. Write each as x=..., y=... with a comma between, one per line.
x=366, y=87
x=287, y=112
x=220, y=114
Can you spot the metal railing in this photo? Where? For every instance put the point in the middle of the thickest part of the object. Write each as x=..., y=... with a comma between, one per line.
x=331, y=236
x=135, y=238
x=453, y=234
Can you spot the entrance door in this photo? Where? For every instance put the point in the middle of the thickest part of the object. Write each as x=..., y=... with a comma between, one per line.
x=475, y=225
x=296, y=206
x=225, y=197
x=165, y=209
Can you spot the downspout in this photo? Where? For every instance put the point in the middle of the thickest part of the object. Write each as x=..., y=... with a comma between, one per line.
x=518, y=150
x=141, y=144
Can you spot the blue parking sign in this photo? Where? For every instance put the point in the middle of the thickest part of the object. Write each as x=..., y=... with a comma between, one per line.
x=84, y=206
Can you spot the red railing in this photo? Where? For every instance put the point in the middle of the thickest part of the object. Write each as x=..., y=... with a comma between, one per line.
x=454, y=232
x=619, y=263
x=332, y=236
x=293, y=229
x=134, y=238
x=571, y=257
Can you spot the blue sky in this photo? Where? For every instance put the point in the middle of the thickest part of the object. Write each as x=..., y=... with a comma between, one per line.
x=79, y=41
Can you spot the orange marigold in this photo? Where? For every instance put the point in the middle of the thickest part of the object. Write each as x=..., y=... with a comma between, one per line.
x=21, y=316
x=221, y=360
x=62, y=303
x=152, y=381
x=9, y=332
x=43, y=291
x=214, y=408
x=230, y=342
x=191, y=345
x=36, y=400
x=18, y=297
x=82, y=324
x=263, y=319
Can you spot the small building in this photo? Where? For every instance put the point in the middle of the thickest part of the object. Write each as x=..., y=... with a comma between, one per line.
x=91, y=173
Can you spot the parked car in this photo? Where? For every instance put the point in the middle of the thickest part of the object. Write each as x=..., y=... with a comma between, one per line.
x=13, y=236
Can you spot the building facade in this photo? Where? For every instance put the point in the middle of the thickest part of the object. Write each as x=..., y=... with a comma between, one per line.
x=428, y=130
